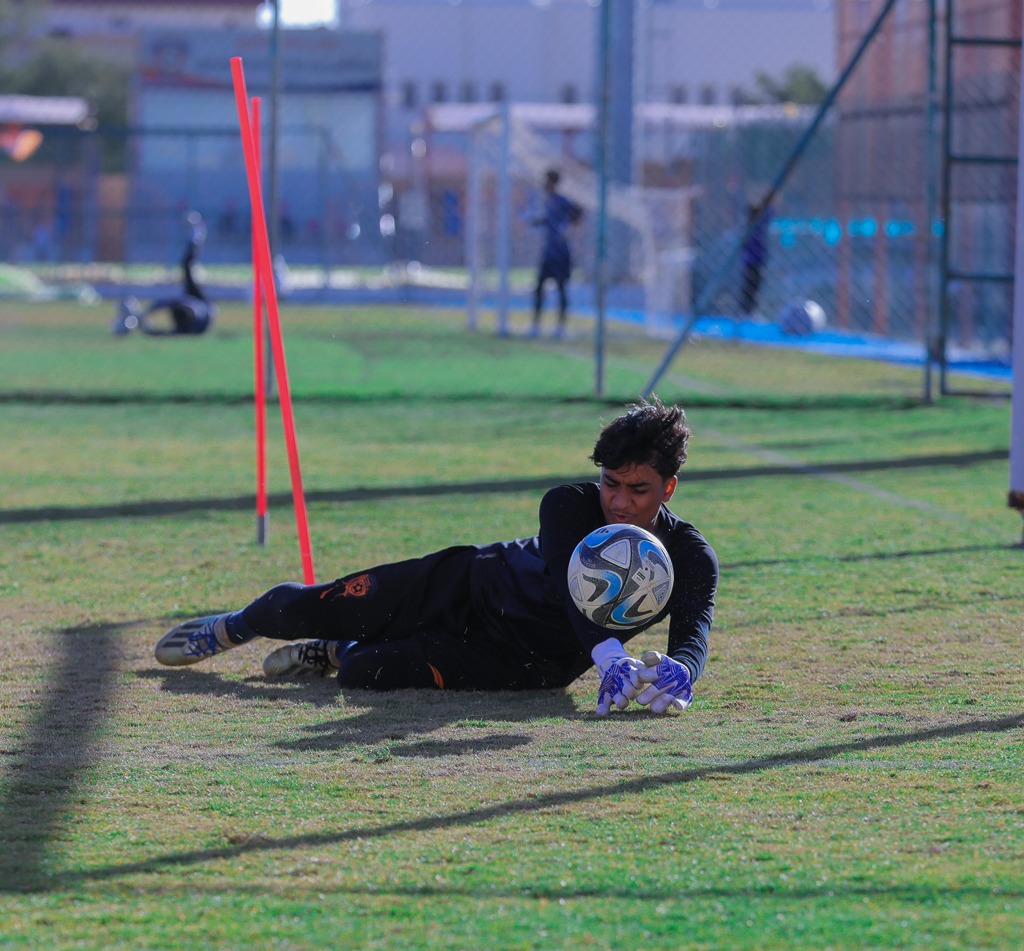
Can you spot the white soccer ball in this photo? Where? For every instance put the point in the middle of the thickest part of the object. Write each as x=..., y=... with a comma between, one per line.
x=801, y=318
x=620, y=577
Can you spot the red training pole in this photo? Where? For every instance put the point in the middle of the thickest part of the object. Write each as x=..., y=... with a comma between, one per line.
x=265, y=270
x=259, y=373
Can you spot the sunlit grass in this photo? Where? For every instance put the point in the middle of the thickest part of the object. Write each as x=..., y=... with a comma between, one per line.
x=848, y=777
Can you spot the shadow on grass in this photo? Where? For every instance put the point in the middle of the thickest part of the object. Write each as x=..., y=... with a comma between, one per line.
x=406, y=397
x=375, y=719
x=189, y=682
x=46, y=770
x=384, y=719
x=536, y=804
x=869, y=557
x=152, y=508
x=155, y=508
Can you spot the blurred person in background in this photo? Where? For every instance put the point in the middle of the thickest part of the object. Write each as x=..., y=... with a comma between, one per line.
x=556, y=257
x=754, y=255
x=189, y=313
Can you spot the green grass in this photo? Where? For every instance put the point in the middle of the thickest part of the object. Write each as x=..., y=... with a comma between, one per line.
x=849, y=775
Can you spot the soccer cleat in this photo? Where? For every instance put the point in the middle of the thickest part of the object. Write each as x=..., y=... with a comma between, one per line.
x=308, y=659
x=194, y=641
x=126, y=319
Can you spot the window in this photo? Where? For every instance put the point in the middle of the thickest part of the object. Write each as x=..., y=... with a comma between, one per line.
x=678, y=95
x=438, y=92
x=468, y=92
x=409, y=97
x=497, y=92
x=707, y=95
x=570, y=93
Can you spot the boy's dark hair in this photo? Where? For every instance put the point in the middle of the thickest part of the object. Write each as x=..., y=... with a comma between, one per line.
x=648, y=433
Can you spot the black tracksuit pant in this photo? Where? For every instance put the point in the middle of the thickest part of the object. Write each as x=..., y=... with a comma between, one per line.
x=407, y=624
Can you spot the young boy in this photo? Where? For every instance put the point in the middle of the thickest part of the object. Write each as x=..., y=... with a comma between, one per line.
x=498, y=616
x=190, y=312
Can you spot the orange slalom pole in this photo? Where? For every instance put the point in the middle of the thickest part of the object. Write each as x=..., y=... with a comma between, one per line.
x=265, y=270
x=259, y=371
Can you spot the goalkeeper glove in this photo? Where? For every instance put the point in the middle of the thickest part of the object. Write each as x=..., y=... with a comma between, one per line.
x=618, y=675
x=669, y=685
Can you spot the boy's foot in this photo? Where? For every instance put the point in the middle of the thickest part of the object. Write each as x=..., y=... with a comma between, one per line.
x=194, y=641
x=304, y=660
x=126, y=320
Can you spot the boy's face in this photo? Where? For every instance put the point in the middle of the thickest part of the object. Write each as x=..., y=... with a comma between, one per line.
x=633, y=494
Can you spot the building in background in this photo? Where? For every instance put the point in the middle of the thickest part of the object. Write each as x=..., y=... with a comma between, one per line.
x=527, y=51
x=689, y=56
x=904, y=187
x=188, y=152
x=686, y=52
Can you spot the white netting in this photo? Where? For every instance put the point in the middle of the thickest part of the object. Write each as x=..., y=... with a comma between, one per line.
x=648, y=231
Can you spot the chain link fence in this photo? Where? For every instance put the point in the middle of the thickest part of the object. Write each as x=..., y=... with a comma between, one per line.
x=896, y=218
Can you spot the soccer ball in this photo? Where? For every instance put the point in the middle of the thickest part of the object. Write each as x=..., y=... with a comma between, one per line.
x=801, y=318
x=620, y=576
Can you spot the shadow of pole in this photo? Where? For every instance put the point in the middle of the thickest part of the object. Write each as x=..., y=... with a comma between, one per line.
x=45, y=772
x=543, y=803
x=161, y=508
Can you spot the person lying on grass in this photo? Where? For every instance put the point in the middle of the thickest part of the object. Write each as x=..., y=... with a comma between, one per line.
x=186, y=314
x=499, y=616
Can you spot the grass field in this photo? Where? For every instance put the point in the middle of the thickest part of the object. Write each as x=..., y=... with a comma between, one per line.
x=849, y=775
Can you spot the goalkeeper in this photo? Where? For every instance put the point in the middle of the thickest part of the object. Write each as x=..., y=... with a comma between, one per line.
x=498, y=616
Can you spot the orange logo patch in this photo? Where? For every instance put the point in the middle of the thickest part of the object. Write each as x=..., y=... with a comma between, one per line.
x=358, y=587
x=361, y=586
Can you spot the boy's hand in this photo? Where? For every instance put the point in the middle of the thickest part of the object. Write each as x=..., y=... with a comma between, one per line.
x=618, y=676
x=669, y=685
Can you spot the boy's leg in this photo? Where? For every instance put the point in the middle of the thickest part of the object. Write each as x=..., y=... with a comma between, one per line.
x=563, y=306
x=392, y=665
x=163, y=326
x=430, y=659
x=383, y=603
x=435, y=658
x=386, y=602
x=538, y=300
x=188, y=278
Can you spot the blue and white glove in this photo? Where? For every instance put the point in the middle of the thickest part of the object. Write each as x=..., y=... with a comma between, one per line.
x=668, y=683
x=618, y=675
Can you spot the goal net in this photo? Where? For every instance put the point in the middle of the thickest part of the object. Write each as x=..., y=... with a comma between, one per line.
x=648, y=231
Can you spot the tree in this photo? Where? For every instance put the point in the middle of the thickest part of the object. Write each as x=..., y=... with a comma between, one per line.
x=799, y=84
x=15, y=20
x=56, y=68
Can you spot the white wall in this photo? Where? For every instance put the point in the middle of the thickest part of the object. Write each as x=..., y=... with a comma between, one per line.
x=533, y=48
x=536, y=49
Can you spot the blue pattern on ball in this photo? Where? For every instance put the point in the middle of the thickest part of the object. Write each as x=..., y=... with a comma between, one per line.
x=620, y=577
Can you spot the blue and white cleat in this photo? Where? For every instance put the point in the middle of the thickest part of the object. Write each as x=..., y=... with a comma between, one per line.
x=194, y=641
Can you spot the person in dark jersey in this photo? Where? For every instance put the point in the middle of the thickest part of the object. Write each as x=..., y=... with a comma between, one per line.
x=499, y=616
x=754, y=255
x=556, y=256
x=189, y=312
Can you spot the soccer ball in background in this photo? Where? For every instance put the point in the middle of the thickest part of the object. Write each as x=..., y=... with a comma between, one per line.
x=801, y=318
x=620, y=576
